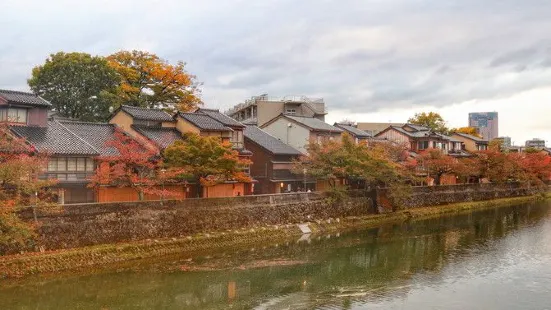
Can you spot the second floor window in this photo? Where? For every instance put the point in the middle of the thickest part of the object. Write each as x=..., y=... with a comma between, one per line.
x=13, y=115
x=70, y=168
x=237, y=139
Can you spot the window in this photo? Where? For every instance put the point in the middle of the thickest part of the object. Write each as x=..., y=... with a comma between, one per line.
x=147, y=123
x=14, y=115
x=71, y=164
x=89, y=164
x=81, y=164
x=291, y=111
x=423, y=145
x=61, y=164
x=52, y=165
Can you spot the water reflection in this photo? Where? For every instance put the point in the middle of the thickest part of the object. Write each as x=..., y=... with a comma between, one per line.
x=381, y=267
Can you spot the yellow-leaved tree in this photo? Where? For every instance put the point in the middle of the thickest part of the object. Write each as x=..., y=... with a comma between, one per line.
x=151, y=82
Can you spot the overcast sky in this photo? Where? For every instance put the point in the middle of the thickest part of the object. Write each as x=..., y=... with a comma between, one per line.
x=372, y=60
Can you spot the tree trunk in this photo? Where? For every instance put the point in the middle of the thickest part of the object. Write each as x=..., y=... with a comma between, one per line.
x=437, y=178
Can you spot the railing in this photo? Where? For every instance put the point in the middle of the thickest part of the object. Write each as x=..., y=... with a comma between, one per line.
x=254, y=99
x=66, y=176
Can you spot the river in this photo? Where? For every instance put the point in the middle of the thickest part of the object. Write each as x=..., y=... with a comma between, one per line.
x=492, y=259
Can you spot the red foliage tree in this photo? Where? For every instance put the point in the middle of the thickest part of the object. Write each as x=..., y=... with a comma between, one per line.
x=19, y=183
x=534, y=167
x=134, y=166
x=20, y=167
x=435, y=163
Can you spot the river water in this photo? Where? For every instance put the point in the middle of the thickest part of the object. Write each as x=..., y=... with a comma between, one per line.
x=493, y=259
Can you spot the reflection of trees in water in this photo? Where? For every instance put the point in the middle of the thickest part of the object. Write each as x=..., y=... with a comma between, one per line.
x=359, y=266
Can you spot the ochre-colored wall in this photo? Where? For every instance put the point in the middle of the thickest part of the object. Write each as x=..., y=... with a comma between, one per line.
x=184, y=126
x=121, y=194
x=470, y=145
x=224, y=190
x=124, y=122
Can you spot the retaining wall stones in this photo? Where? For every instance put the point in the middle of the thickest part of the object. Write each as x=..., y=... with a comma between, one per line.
x=92, y=224
x=424, y=196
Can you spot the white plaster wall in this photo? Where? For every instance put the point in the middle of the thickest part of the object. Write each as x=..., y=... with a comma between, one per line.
x=296, y=136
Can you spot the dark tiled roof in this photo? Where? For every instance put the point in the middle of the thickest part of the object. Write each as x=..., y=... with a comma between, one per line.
x=314, y=123
x=416, y=134
x=162, y=136
x=145, y=114
x=222, y=118
x=269, y=142
x=23, y=98
x=204, y=122
x=421, y=134
x=417, y=127
x=464, y=135
x=95, y=134
x=358, y=133
x=55, y=139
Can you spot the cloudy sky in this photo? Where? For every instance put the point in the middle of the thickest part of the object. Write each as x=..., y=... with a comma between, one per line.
x=372, y=60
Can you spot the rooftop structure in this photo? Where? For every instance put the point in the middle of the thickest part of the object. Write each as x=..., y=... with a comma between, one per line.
x=261, y=109
x=535, y=143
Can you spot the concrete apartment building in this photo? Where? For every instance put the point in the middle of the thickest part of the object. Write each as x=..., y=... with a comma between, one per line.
x=486, y=123
x=261, y=109
x=535, y=143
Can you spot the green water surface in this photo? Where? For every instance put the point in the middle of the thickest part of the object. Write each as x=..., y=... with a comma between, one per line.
x=493, y=259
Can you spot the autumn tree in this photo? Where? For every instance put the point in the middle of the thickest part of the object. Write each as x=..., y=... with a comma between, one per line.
x=467, y=168
x=151, y=82
x=19, y=186
x=436, y=164
x=467, y=130
x=207, y=160
x=535, y=167
x=342, y=159
x=134, y=166
x=431, y=120
x=78, y=85
x=496, y=166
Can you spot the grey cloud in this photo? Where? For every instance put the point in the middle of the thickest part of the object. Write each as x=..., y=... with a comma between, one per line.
x=360, y=55
x=514, y=57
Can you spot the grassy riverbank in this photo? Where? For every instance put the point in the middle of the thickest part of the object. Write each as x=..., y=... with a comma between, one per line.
x=95, y=257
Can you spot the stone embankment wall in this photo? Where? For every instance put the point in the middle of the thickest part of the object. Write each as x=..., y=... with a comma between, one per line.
x=424, y=196
x=91, y=224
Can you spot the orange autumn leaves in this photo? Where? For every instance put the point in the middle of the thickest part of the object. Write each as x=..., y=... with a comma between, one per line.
x=149, y=81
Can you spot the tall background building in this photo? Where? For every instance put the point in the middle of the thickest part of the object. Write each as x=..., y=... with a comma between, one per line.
x=537, y=143
x=486, y=123
x=506, y=142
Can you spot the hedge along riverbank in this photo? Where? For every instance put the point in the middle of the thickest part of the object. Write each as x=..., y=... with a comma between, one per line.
x=108, y=256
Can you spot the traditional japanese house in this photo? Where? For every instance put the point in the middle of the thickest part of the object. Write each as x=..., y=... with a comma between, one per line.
x=273, y=164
